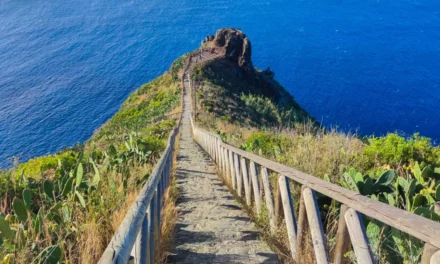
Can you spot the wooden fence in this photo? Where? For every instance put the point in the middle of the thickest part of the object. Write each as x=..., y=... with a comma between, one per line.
x=248, y=174
x=138, y=236
x=139, y=233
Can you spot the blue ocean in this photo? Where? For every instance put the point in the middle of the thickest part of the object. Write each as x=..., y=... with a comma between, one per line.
x=66, y=66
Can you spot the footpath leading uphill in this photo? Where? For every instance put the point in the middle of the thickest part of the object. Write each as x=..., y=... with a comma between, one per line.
x=212, y=227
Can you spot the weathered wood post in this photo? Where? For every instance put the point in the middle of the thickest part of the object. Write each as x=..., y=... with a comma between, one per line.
x=342, y=239
x=316, y=229
x=435, y=258
x=302, y=225
x=140, y=248
x=225, y=164
x=429, y=250
x=231, y=168
x=268, y=197
x=255, y=186
x=358, y=237
x=151, y=225
x=238, y=175
x=289, y=213
x=247, y=191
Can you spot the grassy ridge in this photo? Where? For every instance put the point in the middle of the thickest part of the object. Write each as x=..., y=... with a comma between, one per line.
x=250, y=100
x=403, y=172
x=66, y=207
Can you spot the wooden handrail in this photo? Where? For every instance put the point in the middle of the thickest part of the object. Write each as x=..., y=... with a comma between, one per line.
x=139, y=233
x=412, y=224
x=232, y=163
x=142, y=221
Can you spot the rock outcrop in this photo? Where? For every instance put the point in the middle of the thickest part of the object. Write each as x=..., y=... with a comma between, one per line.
x=233, y=44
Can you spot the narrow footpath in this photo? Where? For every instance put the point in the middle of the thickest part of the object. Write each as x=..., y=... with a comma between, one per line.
x=212, y=227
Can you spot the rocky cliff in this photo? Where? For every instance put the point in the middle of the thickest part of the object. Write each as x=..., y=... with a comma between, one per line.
x=233, y=44
x=235, y=79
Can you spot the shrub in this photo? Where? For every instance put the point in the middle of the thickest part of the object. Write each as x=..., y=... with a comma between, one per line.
x=37, y=166
x=266, y=144
x=396, y=151
x=263, y=106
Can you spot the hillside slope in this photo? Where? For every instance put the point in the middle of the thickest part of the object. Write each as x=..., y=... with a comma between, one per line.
x=230, y=87
x=250, y=110
x=77, y=198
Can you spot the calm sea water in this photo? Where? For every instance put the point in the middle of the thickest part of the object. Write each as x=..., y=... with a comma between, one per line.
x=66, y=66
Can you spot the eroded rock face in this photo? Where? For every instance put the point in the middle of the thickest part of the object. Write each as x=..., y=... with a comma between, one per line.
x=235, y=45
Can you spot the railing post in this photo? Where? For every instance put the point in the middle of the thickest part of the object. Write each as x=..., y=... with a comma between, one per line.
x=225, y=164
x=158, y=207
x=268, y=197
x=342, y=239
x=221, y=163
x=302, y=225
x=219, y=155
x=289, y=213
x=316, y=229
x=165, y=174
x=238, y=175
x=435, y=258
x=279, y=214
x=428, y=253
x=247, y=191
x=219, y=159
x=208, y=137
x=255, y=186
x=358, y=237
x=213, y=147
x=169, y=165
x=151, y=227
x=429, y=250
x=141, y=244
x=231, y=168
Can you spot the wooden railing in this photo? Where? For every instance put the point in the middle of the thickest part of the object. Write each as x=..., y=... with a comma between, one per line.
x=138, y=236
x=139, y=233
x=248, y=174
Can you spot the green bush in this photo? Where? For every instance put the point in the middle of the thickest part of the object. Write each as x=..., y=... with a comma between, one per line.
x=263, y=106
x=37, y=166
x=266, y=144
x=396, y=151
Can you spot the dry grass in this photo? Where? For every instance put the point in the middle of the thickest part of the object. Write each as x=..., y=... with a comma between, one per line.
x=119, y=214
x=311, y=150
x=169, y=218
x=91, y=244
x=320, y=152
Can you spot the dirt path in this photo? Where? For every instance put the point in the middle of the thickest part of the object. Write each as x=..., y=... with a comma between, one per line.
x=212, y=227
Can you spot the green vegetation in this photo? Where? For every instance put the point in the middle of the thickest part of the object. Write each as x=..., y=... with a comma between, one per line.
x=176, y=67
x=402, y=172
x=66, y=207
x=223, y=90
x=401, y=153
